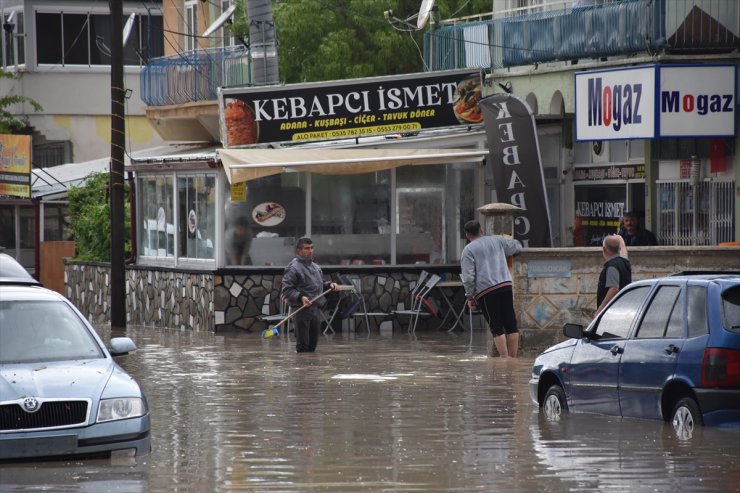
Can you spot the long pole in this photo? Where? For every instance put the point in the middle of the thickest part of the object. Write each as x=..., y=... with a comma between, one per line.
x=117, y=141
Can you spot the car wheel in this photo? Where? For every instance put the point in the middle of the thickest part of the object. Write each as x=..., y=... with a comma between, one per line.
x=685, y=417
x=554, y=404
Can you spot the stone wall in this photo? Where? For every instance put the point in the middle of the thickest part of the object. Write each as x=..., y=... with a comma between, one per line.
x=545, y=297
x=154, y=297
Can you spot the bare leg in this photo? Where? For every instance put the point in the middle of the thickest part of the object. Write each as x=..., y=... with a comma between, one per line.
x=512, y=343
x=501, y=345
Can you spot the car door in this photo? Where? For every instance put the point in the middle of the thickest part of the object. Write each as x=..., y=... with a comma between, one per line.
x=651, y=354
x=594, y=369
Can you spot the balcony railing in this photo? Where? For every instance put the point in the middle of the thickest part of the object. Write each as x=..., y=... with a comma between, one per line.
x=194, y=76
x=614, y=28
x=558, y=32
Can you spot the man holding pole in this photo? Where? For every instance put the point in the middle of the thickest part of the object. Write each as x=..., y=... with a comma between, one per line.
x=303, y=286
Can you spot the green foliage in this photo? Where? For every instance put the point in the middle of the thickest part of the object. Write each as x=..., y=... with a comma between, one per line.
x=321, y=40
x=89, y=211
x=8, y=121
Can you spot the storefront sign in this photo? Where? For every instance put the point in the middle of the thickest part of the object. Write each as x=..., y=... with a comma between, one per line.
x=517, y=166
x=548, y=268
x=656, y=101
x=621, y=172
x=349, y=109
x=15, y=165
x=598, y=212
x=615, y=104
x=697, y=101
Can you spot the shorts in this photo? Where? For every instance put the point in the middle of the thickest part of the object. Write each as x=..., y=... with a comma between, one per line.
x=497, y=307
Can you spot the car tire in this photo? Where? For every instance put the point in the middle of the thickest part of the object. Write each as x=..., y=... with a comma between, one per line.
x=685, y=417
x=554, y=404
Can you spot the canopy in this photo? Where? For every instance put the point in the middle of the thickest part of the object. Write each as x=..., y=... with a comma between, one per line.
x=249, y=164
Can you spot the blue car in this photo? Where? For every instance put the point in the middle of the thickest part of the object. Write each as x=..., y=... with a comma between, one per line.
x=61, y=393
x=666, y=348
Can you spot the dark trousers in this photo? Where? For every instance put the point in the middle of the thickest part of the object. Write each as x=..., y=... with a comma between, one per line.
x=498, y=310
x=307, y=328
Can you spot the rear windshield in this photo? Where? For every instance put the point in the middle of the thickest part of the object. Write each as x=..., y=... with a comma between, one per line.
x=33, y=331
x=731, y=309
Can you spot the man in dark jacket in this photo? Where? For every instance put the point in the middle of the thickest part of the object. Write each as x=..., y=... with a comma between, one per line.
x=302, y=282
x=633, y=234
x=615, y=275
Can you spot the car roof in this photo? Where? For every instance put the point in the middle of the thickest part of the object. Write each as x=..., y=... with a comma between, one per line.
x=28, y=292
x=11, y=272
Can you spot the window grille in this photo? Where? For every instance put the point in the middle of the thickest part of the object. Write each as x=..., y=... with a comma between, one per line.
x=701, y=214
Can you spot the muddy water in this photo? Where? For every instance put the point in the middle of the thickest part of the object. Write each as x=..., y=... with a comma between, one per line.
x=372, y=413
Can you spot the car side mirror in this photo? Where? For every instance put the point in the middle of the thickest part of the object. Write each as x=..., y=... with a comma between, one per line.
x=120, y=346
x=573, y=331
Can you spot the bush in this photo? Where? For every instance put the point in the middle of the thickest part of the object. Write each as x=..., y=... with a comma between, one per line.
x=89, y=211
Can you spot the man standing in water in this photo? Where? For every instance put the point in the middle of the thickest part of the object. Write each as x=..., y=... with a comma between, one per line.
x=488, y=284
x=302, y=282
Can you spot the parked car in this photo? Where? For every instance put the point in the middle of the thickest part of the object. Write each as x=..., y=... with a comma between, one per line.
x=61, y=393
x=666, y=348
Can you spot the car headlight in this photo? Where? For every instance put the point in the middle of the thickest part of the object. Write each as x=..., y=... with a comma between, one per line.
x=125, y=408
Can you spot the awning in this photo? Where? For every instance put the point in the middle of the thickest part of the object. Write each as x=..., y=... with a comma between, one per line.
x=249, y=164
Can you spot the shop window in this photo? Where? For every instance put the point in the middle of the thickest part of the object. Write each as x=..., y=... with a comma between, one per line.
x=263, y=218
x=350, y=218
x=56, y=222
x=156, y=217
x=7, y=227
x=420, y=224
x=196, y=197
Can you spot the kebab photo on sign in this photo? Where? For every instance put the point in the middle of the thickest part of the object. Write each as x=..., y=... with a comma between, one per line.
x=466, y=105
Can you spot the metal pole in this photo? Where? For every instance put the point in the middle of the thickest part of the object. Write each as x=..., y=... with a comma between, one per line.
x=118, y=142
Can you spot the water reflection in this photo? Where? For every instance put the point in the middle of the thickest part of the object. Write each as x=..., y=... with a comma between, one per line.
x=374, y=413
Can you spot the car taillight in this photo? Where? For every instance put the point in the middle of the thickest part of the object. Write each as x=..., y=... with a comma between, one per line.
x=720, y=368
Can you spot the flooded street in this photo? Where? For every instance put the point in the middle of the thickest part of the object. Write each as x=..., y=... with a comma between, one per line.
x=233, y=413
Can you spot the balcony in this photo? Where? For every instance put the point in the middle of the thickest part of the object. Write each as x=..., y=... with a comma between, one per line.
x=566, y=34
x=181, y=92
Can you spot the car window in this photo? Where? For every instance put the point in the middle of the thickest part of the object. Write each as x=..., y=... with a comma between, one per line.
x=731, y=309
x=43, y=331
x=659, y=313
x=617, y=319
x=697, y=311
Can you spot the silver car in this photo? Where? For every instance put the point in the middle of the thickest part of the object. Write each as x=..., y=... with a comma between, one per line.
x=61, y=393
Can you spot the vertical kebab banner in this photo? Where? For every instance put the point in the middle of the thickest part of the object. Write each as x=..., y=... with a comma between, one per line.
x=15, y=165
x=517, y=167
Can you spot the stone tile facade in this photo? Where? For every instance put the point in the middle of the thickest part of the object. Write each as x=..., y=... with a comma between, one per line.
x=231, y=300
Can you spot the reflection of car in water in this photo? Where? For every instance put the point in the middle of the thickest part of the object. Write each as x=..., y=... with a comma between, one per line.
x=666, y=348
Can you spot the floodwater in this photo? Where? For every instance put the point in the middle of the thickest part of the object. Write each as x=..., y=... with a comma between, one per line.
x=384, y=413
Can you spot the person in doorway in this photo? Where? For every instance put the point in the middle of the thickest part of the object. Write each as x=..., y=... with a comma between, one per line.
x=237, y=240
x=488, y=284
x=303, y=281
x=633, y=234
x=616, y=273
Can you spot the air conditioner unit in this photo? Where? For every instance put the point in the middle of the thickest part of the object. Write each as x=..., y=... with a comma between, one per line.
x=600, y=151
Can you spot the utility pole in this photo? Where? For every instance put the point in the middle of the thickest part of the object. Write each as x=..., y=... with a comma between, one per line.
x=117, y=148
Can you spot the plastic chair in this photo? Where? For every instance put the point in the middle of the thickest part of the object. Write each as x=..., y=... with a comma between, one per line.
x=418, y=297
x=272, y=319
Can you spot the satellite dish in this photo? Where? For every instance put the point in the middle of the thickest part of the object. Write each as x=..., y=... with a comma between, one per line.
x=128, y=27
x=424, y=11
x=218, y=23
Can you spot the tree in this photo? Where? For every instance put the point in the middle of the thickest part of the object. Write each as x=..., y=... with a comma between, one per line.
x=345, y=39
x=89, y=213
x=8, y=121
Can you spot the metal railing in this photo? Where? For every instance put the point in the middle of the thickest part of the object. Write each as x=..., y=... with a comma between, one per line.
x=593, y=31
x=194, y=76
x=695, y=214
